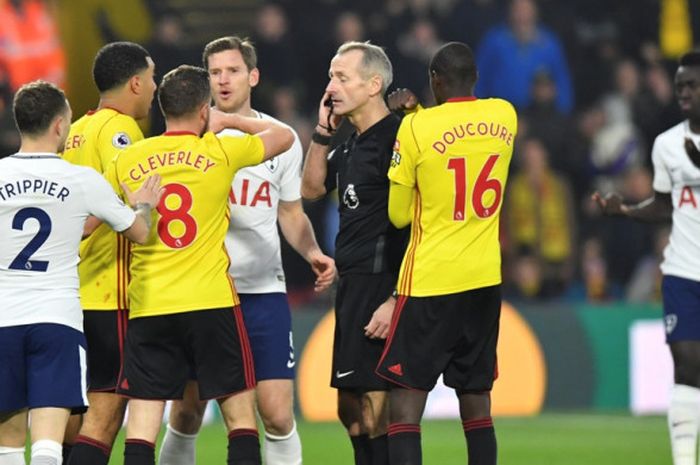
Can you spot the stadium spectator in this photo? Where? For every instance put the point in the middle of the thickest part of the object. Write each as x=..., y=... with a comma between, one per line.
x=184, y=314
x=30, y=47
x=261, y=198
x=42, y=346
x=123, y=74
x=510, y=56
x=447, y=316
x=644, y=285
x=368, y=248
x=273, y=40
x=169, y=49
x=539, y=218
x=552, y=127
x=593, y=285
x=676, y=185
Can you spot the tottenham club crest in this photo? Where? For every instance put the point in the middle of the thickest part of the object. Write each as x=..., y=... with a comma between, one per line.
x=350, y=198
x=670, y=322
x=272, y=164
x=121, y=140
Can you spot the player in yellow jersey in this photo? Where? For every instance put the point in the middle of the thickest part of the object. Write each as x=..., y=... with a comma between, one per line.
x=448, y=175
x=123, y=74
x=184, y=311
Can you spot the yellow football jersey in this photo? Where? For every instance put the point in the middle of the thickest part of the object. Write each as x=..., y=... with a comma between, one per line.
x=184, y=265
x=456, y=157
x=94, y=140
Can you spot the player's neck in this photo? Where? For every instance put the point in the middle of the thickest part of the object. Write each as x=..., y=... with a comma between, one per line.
x=244, y=110
x=40, y=145
x=368, y=116
x=694, y=126
x=118, y=103
x=183, y=125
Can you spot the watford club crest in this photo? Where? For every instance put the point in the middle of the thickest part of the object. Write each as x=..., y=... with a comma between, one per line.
x=272, y=164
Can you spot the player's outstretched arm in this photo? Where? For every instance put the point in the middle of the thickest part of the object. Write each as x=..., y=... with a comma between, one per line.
x=299, y=232
x=656, y=208
x=400, y=205
x=313, y=178
x=143, y=201
x=276, y=137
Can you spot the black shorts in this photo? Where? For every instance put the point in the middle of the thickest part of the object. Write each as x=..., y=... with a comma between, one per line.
x=105, y=331
x=454, y=335
x=162, y=351
x=355, y=356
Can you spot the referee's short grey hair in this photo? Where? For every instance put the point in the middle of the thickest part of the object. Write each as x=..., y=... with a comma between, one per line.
x=374, y=61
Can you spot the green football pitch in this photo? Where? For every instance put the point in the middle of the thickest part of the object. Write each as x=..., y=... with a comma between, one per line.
x=548, y=439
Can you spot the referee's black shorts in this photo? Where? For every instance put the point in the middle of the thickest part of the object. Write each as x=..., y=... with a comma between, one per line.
x=355, y=356
x=105, y=331
x=454, y=335
x=163, y=351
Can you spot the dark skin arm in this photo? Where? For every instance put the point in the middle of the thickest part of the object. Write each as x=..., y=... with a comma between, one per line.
x=658, y=208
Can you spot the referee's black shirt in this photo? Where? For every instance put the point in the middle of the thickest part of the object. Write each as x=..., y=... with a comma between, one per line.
x=366, y=242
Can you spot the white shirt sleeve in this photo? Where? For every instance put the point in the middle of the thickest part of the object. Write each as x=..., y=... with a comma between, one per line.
x=290, y=184
x=104, y=203
x=662, y=176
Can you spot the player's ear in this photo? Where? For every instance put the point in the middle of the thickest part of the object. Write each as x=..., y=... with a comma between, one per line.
x=135, y=84
x=254, y=77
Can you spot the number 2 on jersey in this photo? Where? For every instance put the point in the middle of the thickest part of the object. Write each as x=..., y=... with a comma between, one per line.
x=22, y=260
x=482, y=185
x=180, y=214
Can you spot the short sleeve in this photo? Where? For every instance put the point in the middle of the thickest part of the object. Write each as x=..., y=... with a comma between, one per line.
x=242, y=151
x=404, y=158
x=117, y=134
x=290, y=183
x=332, y=162
x=103, y=202
x=662, y=176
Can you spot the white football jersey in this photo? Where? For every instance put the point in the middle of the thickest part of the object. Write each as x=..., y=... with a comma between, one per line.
x=44, y=202
x=674, y=173
x=253, y=241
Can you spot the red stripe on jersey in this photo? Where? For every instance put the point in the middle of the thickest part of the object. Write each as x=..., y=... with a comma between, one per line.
x=401, y=301
x=417, y=234
x=469, y=98
x=246, y=353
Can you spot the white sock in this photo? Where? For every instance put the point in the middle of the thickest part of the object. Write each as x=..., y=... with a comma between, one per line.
x=282, y=450
x=683, y=422
x=12, y=456
x=46, y=452
x=177, y=448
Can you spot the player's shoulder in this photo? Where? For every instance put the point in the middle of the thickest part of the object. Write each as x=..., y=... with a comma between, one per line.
x=116, y=128
x=671, y=135
x=500, y=105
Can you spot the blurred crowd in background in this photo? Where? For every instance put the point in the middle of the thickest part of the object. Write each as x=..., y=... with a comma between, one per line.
x=592, y=81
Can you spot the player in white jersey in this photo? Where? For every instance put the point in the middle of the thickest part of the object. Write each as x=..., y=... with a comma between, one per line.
x=260, y=197
x=676, y=159
x=44, y=204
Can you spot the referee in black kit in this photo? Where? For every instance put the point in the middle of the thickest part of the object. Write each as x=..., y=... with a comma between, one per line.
x=369, y=249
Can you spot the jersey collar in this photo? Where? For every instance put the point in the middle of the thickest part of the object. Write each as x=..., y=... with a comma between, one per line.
x=469, y=98
x=34, y=155
x=179, y=133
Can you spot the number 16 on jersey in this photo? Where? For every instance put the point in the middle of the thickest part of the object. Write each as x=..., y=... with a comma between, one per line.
x=481, y=186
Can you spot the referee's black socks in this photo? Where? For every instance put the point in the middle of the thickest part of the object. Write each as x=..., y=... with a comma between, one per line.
x=481, y=441
x=243, y=447
x=139, y=452
x=88, y=451
x=361, y=450
x=379, y=450
x=404, y=444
